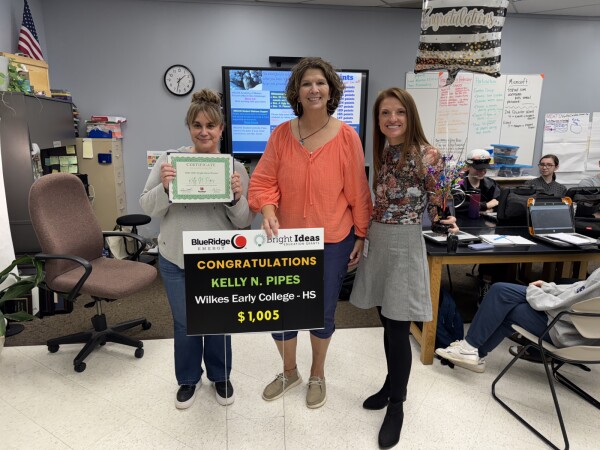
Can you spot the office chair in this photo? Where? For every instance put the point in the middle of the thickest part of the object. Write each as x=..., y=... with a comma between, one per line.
x=72, y=242
x=133, y=221
x=585, y=316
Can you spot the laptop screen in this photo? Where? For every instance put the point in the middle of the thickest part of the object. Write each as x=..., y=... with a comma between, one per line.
x=551, y=218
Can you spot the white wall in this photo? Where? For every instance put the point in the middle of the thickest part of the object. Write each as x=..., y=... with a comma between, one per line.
x=112, y=54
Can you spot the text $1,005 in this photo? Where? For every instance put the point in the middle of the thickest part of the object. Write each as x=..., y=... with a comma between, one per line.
x=258, y=316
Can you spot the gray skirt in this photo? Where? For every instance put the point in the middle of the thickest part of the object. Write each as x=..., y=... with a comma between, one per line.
x=394, y=274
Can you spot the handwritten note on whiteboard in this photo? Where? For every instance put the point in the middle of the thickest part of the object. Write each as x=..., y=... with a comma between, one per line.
x=566, y=136
x=477, y=111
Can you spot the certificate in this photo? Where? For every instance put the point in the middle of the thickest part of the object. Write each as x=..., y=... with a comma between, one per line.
x=201, y=177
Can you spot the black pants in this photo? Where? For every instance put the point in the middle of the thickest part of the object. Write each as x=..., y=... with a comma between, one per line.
x=398, y=355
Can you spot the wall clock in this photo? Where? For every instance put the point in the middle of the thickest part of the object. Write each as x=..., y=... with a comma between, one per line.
x=179, y=80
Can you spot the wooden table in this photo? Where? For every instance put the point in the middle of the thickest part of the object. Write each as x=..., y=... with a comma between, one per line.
x=437, y=257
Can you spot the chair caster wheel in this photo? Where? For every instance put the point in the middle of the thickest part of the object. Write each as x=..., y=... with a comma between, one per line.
x=53, y=348
x=79, y=367
x=146, y=325
x=139, y=352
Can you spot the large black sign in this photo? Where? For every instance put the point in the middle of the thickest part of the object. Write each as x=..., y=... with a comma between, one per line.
x=230, y=288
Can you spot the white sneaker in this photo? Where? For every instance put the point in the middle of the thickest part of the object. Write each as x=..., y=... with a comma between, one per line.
x=459, y=354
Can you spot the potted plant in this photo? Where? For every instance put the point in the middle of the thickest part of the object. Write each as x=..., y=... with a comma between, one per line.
x=16, y=81
x=17, y=290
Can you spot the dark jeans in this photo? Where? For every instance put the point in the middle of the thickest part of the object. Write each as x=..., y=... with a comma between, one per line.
x=335, y=266
x=505, y=304
x=190, y=350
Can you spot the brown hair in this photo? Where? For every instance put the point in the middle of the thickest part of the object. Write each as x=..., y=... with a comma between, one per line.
x=414, y=136
x=553, y=158
x=208, y=102
x=336, y=86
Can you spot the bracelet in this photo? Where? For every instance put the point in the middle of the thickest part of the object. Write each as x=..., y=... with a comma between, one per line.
x=359, y=238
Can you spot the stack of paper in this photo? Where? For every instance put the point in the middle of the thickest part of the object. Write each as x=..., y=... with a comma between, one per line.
x=496, y=239
x=572, y=238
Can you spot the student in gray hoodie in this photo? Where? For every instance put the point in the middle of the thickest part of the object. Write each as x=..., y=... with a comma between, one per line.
x=532, y=307
x=205, y=124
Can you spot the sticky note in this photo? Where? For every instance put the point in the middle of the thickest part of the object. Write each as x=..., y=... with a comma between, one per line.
x=88, y=149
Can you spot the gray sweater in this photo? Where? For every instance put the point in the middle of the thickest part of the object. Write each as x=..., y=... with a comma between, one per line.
x=179, y=217
x=552, y=299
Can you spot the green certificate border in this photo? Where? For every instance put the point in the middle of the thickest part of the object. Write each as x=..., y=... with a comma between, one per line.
x=226, y=160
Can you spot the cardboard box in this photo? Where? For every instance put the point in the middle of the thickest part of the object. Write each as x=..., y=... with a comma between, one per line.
x=38, y=72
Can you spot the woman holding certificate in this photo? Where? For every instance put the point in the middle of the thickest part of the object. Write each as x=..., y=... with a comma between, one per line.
x=204, y=121
x=312, y=174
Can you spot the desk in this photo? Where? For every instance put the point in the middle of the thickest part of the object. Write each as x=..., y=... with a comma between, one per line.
x=437, y=257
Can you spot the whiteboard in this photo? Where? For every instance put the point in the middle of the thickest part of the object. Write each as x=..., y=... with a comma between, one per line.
x=478, y=110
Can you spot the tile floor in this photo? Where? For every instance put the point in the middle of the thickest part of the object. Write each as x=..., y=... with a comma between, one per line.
x=121, y=402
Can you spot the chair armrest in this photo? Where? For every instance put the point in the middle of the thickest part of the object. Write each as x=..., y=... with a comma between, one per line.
x=125, y=234
x=569, y=312
x=87, y=266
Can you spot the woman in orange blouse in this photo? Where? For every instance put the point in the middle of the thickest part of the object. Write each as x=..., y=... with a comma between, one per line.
x=312, y=174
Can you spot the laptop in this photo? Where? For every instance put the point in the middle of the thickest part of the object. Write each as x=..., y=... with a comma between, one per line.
x=552, y=222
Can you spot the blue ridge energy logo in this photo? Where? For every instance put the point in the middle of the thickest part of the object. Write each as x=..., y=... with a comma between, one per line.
x=238, y=241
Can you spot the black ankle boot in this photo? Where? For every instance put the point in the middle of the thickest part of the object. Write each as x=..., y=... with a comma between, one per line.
x=380, y=399
x=389, y=434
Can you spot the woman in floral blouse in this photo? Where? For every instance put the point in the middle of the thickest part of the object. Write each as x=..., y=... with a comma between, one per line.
x=393, y=274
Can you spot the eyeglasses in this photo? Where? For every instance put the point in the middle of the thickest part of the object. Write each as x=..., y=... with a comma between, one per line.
x=546, y=165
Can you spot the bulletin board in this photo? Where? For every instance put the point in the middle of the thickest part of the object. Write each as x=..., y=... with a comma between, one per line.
x=478, y=110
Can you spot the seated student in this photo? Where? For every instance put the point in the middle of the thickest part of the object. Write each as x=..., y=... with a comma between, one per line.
x=593, y=181
x=477, y=163
x=532, y=308
x=546, y=182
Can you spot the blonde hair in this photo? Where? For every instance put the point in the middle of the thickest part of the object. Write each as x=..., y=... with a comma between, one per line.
x=208, y=102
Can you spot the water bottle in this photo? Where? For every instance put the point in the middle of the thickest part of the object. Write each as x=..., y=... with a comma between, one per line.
x=474, y=201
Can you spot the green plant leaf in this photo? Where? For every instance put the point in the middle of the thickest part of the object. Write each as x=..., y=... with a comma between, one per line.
x=17, y=290
x=19, y=316
x=23, y=286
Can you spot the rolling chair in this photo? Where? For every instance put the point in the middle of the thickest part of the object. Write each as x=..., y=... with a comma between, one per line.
x=72, y=242
x=585, y=316
x=133, y=221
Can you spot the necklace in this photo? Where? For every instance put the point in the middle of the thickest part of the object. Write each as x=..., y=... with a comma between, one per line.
x=302, y=139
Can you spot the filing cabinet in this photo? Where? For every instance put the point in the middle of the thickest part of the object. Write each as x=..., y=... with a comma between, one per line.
x=106, y=179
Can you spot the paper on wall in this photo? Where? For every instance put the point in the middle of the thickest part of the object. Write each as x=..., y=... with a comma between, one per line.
x=594, y=146
x=566, y=127
x=572, y=155
x=88, y=149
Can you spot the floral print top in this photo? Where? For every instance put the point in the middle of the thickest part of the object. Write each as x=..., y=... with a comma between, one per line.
x=402, y=191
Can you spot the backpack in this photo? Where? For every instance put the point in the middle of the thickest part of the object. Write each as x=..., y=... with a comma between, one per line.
x=512, y=204
x=449, y=322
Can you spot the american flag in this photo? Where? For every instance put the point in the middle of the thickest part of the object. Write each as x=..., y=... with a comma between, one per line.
x=28, y=38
